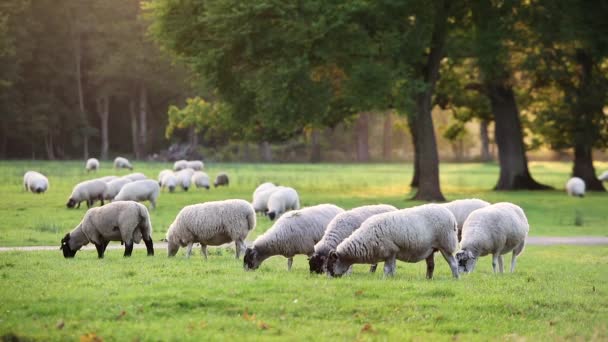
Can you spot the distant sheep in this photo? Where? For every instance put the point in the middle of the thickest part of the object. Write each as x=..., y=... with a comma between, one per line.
x=604, y=176
x=221, y=179
x=462, y=208
x=497, y=229
x=35, y=182
x=294, y=233
x=114, y=187
x=575, y=187
x=211, y=224
x=136, y=176
x=89, y=191
x=169, y=181
x=200, y=179
x=281, y=201
x=92, y=165
x=196, y=165
x=122, y=163
x=107, y=179
x=341, y=227
x=261, y=195
x=141, y=190
x=180, y=165
x=410, y=235
x=162, y=174
x=184, y=178
x=127, y=221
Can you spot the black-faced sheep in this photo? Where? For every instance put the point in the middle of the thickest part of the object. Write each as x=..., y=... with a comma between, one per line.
x=142, y=190
x=89, y=191
x=35, y=182
x=92, y=164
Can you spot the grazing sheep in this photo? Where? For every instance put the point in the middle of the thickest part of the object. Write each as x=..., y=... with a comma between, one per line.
x=184, y=178
x=196, y=165
x=122, y=163
x=162, y=174
x=497, y=229
x=92, y=165
x=141, y=190
x=604, y=176
x=114, y=187
x=221, y=179
x=282, y=200
x=35, y=182
x=263, y=187
x=293, y=233
x=211, y=223
x=341, y=227
x=136, y=176
x=107, y=179
x=462, y=208
x=126, y=221
x=169, y=181
x=89, y=191
x=180, y=165
x=575, y=187
x=200, y=179
x=261, y=195
x=409, y=235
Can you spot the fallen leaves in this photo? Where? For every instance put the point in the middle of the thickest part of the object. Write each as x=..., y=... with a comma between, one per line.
x=60, y=324
x=90, y=337
x=251, y=318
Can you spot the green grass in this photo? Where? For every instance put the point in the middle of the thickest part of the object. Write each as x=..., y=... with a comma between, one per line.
x=556, y=293
x=29, y=219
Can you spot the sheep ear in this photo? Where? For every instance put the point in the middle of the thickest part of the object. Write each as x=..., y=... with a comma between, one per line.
x=333, y=256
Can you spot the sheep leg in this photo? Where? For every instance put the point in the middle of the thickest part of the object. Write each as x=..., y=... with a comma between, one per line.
x=101, y=199
x=516, y=251
x=149, y=246
x=494, y=261
x=372, y=268
x=204, y=251
x=189, y=249
x=500, y=265
x=452, y=262
x=390, y=265
x=239, y=246
x=289, y=263
x=153, y=204
x=430, y=265
x=89, y=203
x=100, y=249
x=78, y=205
x=128, y=248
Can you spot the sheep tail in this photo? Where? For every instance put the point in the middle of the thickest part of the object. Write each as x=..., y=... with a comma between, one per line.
x=144, y=223
x=250, y=220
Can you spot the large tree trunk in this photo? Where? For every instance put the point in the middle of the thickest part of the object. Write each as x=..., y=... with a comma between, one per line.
x=485, y=141
x=387, y=146
x=134, y=138
x=265, y=151
x=77, y=46
x=3, y=149
x=315, y=152
x=193, y=138
x=143, y=121
x=103, y=111
x=416, y=176
x=514, y=174
x=583, y=168
x=362, y=129
x=49, y=146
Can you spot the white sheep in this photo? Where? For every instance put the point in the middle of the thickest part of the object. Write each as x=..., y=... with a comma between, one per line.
x=136, y=176
x=180, y=165
x=294, y=233
x=196, y=165
x=221, y=179
x=114, y=187
x=410, y=235
x=169, y=181
x=107, y=179
x=261, y=195
x=124, y=221
x=341, y=227
x=575, y=187
x=35, y=182
x=604, y=177
x=122, y=163
x=162, y=174
x=263, y=187
x=211, y=224
x=282, y=200
x=141, y=190
x=92, y=164
x=184, y=178
x=497, y=229
x=462, y=208
x=200, y=179
x=89, y=191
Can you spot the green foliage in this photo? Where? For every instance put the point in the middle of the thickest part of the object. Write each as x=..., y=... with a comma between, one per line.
x=201, y=115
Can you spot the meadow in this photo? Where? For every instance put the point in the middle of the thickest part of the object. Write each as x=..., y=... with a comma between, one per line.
x=557, y=292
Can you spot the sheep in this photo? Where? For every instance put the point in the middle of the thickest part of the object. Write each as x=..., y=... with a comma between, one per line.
x=184, y=177
x=200, y=179
x=293, y=233
x=162, y=174
x=140, y=190
x=211, y=223
x=604, y=176
x=114, y=187
x=122, y=163
x=282, y=200
x=409, y=235
x=125, y=221
x=341, y=227
x=169, y=181
x=497, y=229
x=221, y=179
x=35, y=182
x=575, y=187
x=92, y=165
x=107, y=179
x=180, y=165
x=89, y=191
x=263, y=187
x=462, y=208
x=196, y=165
x=136, y=176
x=261, y=195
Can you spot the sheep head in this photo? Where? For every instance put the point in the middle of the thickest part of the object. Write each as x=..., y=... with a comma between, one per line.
x=65, y=247
x=335, y=267
x=71, y=203
x=317, y=263
x=251, y=261
x=466, y=261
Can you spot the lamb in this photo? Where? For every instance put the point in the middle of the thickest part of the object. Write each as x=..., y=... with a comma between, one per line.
x=575, y=187
x=211, y=223
x=140, y=190
x=92, y=165
x=221, y=179
x=604, y=176
x=89, y=191
x=125, y=221
x=35, y=182
x=196, y=165
x=184, y=177
x=409, y=235
x=169, y=181
x=341, y=227
x=282, y=200
x=114, y=187
x=261, y=195
x=497, y=229
x=294, y=233
x=180, y=165
x=462, y=208
x=136, y=176
x=107, y=179
x=200, y=179
x=122, y=163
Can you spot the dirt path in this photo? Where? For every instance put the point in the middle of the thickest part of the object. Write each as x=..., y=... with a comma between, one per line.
x=534, y=241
